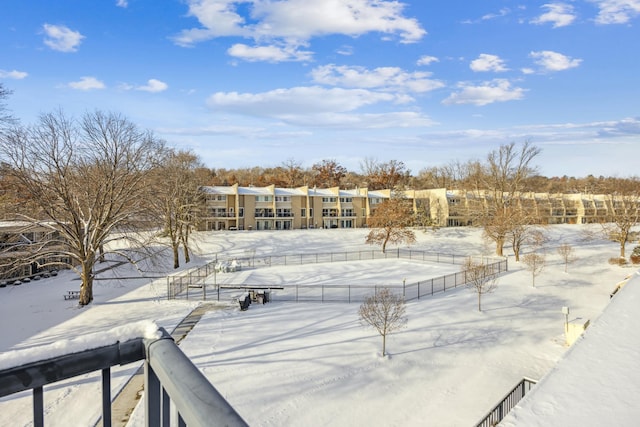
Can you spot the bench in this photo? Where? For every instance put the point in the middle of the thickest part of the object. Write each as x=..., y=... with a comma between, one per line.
x=72, y=295
x=244, y=304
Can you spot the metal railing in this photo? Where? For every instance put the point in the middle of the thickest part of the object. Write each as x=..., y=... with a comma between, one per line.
x=507, y=403
x=170, y=377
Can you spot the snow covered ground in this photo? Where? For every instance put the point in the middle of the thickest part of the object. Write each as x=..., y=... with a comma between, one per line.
x=286, y=364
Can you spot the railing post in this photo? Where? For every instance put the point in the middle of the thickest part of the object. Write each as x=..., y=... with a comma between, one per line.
x=152, y=396
x=38, y=407
x=166, y=408
x=106, y=397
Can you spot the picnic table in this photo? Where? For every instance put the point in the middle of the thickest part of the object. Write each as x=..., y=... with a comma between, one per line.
x=72, y=295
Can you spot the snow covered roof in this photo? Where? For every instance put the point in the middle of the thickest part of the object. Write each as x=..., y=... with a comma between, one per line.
x=289, y=192
x=377, y=195
x=258, y=191
x=597, y=382
x=218, y=190
x=326, y=192
x=353, y=193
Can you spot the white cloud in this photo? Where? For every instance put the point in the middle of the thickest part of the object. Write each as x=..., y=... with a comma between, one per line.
x=61, y=38
x=317, y=106
x=497, y=90
x=558, y=14
x=268, y=53
x=153, y=86
x=295, y=22
x=387, y=78
x=503, y=12
x=87, y=83
x=296, y=101
x=345, y=50
x=427, y=60
x=616, y=11
x=554, y=61
x=487, y=62
x=14, y=74
x=122, y=3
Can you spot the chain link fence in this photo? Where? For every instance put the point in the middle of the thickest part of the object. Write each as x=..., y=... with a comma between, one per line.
x=193, y=284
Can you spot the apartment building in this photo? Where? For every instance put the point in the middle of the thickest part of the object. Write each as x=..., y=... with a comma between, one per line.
x=272, y=208
x=18, y=241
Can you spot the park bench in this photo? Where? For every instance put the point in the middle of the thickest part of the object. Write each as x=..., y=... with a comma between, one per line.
x=72, y=295
x=244, y=304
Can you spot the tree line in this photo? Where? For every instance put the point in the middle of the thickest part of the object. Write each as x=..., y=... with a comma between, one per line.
x=376, y=174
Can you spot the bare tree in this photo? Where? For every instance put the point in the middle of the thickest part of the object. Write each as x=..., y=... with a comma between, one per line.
x=6, y=119
x=88, y=180
x=293, y=174
x=523, y=231
x=534, y=263
x=389, y=223
x=328, y=173
x=384, y=311
x=480, y=278
x=387, y=175
x=624, y=211
x=177, y=199
x=566, y=251
x=504, y=176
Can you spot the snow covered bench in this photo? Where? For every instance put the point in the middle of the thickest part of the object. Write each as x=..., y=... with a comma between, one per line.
x=244, y=304
x=72, y=295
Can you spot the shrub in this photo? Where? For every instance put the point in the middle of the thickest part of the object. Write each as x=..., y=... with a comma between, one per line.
x=635, y=255
x=617, y=261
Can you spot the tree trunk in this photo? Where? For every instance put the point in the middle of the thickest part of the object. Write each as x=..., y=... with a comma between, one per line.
x=86, y=288
x=384, y=344
x=187, y=256
x=499, y=246
x=479, y=303
x=176, y=256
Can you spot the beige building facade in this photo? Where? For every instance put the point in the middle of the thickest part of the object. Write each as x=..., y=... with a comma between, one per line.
x=274, y=208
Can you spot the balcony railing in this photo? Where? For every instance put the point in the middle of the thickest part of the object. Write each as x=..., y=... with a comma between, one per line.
x=507, y=403
x=170, y=377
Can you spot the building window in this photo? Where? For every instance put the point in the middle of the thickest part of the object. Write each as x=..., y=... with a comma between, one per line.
x=346, y=199
x=329, y=199
x=329, y=212
x=241, y=212
x=303, y=212
x=264, y=213
x=264, y=198
x=283, y=198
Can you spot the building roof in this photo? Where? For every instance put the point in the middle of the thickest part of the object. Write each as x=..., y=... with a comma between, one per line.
x=597, y=382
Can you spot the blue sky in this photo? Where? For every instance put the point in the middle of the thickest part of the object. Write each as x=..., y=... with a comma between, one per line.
x=257, y=82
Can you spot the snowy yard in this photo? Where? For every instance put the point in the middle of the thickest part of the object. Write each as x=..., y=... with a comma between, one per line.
x=291, y=364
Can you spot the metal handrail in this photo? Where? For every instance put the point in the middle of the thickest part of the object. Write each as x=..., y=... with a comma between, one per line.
x=169, y=376
x=507, y=403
